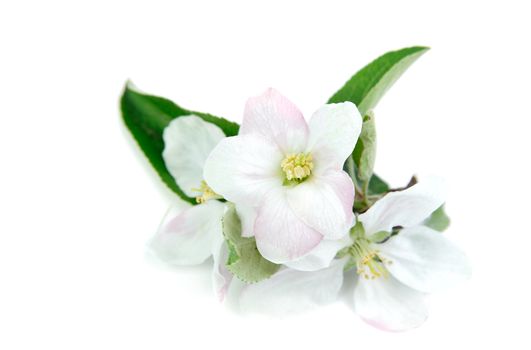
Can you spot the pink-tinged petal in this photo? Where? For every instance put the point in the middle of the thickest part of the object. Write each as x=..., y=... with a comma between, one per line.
x=280, y=235
x=188, y=238
x=276, y=118
x=388, y=304
x=334, y=131
x=405, y=208
x=321, y=256
x=290, y=291
x=425, y=260
x=247, y=215
x=221, y=276
x=243, y=168
x=188, y=141
x=325, y=203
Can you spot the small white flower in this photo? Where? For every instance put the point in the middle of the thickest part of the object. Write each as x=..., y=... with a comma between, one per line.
x=393, y=276
x=290, y=172
x=191, y=234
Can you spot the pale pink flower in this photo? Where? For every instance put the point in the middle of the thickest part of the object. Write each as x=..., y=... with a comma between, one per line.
x=290, y=172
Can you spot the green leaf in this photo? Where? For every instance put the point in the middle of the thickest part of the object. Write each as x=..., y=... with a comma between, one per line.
x=365, y=152
x=438, y=220
x=244, y=260
x=369, y=84
x=380, y=236
x=146, y=116
x=365, y=89
x=377, y=186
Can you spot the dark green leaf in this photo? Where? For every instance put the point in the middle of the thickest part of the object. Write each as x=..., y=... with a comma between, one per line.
x=244, y=260
x=146, y=116
x=377, y=186
x=438, y=220
x=369, y=84
x=365, y=89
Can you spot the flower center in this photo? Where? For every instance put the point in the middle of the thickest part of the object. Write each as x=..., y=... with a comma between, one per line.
x=297, y=167
x=369, y=262
x=206, y=193
x=365, y=256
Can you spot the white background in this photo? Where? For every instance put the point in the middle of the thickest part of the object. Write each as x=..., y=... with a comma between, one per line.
x=78, y=200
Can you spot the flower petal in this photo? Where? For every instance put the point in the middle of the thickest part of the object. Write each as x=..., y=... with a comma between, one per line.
x=334, y=128
x=243, y=168
x=247, y=215
x=187, y=143
x=321, y=256
x=293, y=291
x=405, y=208
x=325, y=203
x=280, y=235
x=424, y=259
x=389, y=305
x=188, y=238
x=276, y=118
x=221, y=276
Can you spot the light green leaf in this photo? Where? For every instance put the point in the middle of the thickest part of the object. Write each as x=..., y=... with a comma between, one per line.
x=380, y=236
x=438, y=220
x=360, y=166
x=365, y=152
x=146, y=116
x=244, y=260
x=369, y=84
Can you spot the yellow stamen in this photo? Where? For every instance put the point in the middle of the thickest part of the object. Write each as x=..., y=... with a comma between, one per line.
x=206, y=193
x=369, y=262
x=297, y=166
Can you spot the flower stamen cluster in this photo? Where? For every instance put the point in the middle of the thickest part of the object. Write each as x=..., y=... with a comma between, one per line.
x=297, y=166
x=369, y=262
x=206, y=193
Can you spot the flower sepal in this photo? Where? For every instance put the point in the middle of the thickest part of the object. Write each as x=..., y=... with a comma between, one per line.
x=244, y=259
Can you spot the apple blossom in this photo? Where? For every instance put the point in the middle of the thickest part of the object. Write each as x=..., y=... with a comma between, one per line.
x=190, y=234
x=275, y=209
x=289, y=172
x=396, y=273
x=396, y=259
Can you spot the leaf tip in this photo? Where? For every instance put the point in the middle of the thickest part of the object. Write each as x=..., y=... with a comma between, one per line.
x=130, y=86
x=421, y=49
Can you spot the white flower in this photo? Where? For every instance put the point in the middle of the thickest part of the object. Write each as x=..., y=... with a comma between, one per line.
x=290, y=172
x=191, y=234
x=394, y=276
